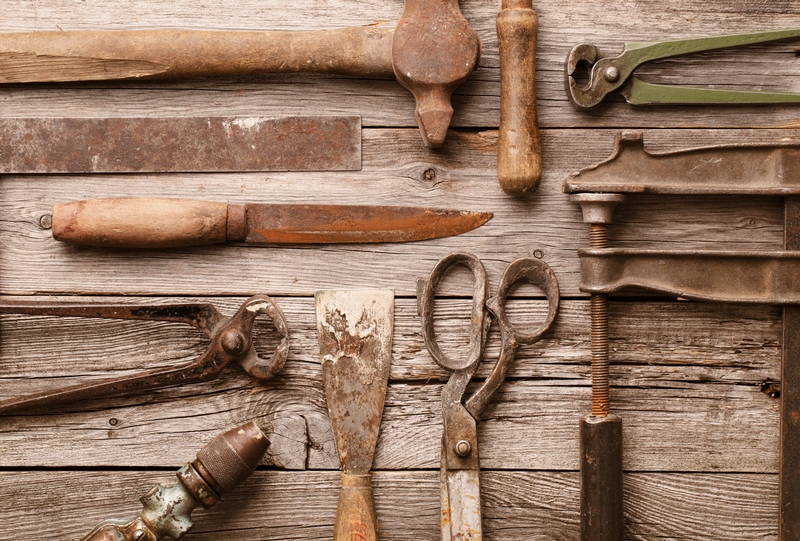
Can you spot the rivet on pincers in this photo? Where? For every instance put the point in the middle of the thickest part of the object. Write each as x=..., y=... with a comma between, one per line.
x=232, y=342
x=611, y=74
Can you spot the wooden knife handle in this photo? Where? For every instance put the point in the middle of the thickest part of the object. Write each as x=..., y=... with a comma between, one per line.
x=140, y=222
x=355, y=516
x=519, y=154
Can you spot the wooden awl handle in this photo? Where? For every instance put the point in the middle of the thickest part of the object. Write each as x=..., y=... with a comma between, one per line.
x=140, y=222
x=519, y=154
x=355, y=515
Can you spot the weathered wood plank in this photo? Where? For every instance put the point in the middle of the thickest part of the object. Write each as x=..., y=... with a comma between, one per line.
x=464, y=177
x=654, y=344
x=712, y=395
x=385, y=103
x=534, y=506
x=710, y=427
x=696, y=385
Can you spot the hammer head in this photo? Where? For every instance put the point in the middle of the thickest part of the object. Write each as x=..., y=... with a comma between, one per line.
x=433, y=52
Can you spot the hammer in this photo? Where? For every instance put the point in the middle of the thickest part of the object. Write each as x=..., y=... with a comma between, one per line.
x=431, y=52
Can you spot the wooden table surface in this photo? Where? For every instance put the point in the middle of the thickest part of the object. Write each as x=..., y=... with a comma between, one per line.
x=697, y=385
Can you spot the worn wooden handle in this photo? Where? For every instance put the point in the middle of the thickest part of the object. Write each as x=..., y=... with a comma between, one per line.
x=140, y=223
x=519, y=154
x=355, y=516
x=159, y=54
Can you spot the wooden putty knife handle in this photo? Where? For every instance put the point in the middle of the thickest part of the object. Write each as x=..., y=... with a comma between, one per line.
x=355, y=516
x=141, y=222
x=519, y=154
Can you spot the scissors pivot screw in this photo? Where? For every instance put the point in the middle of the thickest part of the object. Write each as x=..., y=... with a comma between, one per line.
x=463, y=448
x=139, y=535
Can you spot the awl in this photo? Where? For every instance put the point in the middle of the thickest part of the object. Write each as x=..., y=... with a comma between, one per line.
x=165, y=223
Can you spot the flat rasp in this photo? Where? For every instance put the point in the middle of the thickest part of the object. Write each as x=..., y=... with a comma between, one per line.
x=166, y=223
x=180, y=144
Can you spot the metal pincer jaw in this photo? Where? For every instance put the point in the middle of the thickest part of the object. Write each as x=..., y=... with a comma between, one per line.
x=235, y=338
x=604, y=76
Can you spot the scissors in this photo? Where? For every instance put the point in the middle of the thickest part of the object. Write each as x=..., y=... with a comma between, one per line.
x=614, y=73
x=460, y=468
x=231, y=339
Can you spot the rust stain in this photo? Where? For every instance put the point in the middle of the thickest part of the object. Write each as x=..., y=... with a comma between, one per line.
x=135, y=145
x=311, y=224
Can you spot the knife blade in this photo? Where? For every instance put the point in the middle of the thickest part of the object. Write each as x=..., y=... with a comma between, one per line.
x=168, y=223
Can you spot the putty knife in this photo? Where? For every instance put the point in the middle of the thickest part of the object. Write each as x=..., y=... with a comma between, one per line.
x=355, y=342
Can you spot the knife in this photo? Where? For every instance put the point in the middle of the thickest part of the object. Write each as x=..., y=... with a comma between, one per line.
x=168, y=223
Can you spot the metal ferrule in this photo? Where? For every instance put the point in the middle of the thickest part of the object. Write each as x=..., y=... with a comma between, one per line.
x=197, y=485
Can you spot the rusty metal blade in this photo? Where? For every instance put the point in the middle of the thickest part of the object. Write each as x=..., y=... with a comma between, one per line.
x=313, y=224
x=198, y=144
x=355, y=342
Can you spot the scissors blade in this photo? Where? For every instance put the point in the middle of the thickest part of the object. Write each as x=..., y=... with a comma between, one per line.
x=461, y=504
x=460, y=466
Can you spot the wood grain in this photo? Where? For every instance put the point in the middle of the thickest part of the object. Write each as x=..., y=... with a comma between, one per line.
x=386, y=103
x=301, y=505
x=697, y=386
x=669, y=376
x=463, y=177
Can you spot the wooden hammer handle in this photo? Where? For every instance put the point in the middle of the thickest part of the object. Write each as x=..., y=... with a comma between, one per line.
x=519, y=154
x=355, y=516
x=140, y=222
x=160, y=54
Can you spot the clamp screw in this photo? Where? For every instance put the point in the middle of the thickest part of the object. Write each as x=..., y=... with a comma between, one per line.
x=611, y=74
x=139, y=535
x=463, y=448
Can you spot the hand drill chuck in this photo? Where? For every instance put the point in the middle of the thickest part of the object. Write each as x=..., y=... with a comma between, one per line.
x=220, y=467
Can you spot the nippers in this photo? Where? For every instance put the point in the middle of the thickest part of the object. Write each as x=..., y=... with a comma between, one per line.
x=615, y=73
x=231, y=339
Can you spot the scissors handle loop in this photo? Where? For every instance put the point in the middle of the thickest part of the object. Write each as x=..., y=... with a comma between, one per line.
x=539, y=274
x=426, y=291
